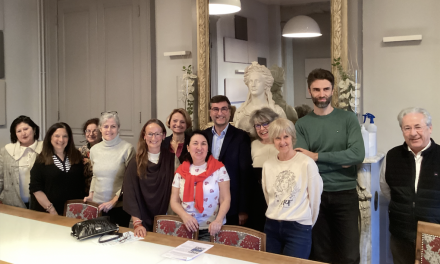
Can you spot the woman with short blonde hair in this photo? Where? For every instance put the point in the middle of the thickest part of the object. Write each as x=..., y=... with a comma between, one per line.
x=292, y=187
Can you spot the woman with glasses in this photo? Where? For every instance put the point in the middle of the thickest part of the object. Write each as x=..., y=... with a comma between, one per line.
x=201, y=192
x=178, y=121
x=148, y=178
x=58, y=172
x=93, y=136
x=262, y=148
x=16, y=161
x=109, y=159
x=292, y=187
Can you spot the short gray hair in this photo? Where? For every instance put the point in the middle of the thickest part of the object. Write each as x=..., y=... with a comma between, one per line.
x=106, y=116
x=281, y=125
x=409, y=110
x=262, y=115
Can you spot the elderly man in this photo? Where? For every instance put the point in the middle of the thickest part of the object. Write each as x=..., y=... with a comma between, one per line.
x=410, y=180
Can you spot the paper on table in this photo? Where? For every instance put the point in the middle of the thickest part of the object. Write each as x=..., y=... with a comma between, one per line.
x=188, y=250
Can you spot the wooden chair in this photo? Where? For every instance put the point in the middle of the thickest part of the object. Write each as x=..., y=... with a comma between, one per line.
x=428, y=243
x=80, y=210
x=172, y=225
x=239, y=236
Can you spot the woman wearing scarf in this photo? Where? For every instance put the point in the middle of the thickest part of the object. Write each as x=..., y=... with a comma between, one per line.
x=204, y=206
x=148, y=178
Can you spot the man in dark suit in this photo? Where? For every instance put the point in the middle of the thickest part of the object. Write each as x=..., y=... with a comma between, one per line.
x=231, y=146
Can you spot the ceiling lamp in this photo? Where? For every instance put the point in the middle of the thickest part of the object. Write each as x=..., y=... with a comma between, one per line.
x=301, y=27
x=221, y=7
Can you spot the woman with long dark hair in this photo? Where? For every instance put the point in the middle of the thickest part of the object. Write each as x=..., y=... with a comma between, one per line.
x=58, y=172
x=148, y=178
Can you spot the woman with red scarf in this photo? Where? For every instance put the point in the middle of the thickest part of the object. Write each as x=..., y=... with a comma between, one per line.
x=200, y=193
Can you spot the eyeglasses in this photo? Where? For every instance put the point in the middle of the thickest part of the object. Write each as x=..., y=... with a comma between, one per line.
x=109, y=112
x=88, y=132
x=265, y=125
x=408, y=130
x=223, y=109
x=150, y=135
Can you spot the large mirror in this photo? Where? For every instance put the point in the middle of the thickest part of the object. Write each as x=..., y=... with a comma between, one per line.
x=219, y=69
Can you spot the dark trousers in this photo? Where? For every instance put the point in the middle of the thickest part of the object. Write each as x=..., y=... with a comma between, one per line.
x=335, y=233
x=232, y=220
x=289, y=238
x=119, y=216
x=403, y=251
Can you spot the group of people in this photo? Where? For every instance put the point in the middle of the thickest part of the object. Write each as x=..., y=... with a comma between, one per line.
x=295, y=182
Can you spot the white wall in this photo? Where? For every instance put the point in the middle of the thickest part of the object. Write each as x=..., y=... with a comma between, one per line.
x=19, y=19
x=174, y=24
x=402, y=74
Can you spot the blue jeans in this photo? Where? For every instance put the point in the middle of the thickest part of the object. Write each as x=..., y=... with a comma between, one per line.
x=289, y=238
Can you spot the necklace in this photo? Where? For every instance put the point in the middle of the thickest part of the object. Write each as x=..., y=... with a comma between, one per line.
x=177, y=142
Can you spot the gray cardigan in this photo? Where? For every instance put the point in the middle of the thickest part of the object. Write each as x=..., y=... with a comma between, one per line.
x=9, y=177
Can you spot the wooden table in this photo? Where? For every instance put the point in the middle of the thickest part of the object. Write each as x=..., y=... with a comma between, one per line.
x=52, y=243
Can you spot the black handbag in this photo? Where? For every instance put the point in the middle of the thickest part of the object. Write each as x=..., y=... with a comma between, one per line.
x=95, y=227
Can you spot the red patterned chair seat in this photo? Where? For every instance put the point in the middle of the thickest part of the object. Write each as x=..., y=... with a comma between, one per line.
x=80, y=210
x=428, y=243
x=430, y=249
x=242, y=237
x=173, y=226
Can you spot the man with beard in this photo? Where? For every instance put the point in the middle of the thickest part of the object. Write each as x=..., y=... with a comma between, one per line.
x=332, y=137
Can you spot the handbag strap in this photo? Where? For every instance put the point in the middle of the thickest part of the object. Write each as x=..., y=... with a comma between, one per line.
x=116, y=233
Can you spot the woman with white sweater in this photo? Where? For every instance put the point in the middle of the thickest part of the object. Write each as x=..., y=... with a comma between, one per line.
x=109, y=159
x=292, y=187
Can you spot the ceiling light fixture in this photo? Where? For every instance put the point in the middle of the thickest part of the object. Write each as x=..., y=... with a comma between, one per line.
x=221, y=7
x=301, y=27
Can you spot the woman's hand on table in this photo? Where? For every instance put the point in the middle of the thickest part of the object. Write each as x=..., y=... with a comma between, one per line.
x=190, y=223
x=215, y=227
x=52, y=211
x=108, y=205
x=140, y=231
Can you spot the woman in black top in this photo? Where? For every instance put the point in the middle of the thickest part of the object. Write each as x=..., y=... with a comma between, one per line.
x=178, y=121
x=58, y=172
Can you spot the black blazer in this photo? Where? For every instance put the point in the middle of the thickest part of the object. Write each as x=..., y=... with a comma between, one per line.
x=236, y=156
x=167, y=142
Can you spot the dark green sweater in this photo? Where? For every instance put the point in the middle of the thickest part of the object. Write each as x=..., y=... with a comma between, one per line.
x=337, y=139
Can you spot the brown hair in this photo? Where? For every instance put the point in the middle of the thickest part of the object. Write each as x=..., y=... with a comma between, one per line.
x=90, y=121
x=70, y=150
x=142, y=148
x=320, y=74
x=185, y=115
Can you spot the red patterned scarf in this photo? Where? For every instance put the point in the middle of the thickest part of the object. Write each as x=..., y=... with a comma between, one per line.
x=190, y=180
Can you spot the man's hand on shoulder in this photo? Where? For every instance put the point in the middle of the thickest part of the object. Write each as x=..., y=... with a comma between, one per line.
x=312, y=155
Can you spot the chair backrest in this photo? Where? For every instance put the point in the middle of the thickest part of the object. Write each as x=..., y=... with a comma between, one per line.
x=428, y=243
x=80, y=210
x=172, y=225
x=239, y=236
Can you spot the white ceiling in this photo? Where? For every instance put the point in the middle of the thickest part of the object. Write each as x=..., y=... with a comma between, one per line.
x=289, y=2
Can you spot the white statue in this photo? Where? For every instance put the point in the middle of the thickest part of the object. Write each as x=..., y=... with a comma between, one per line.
x=259, y=80
x=277, y=96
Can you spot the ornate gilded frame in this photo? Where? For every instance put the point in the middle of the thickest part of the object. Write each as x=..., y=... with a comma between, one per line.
x=338, y=50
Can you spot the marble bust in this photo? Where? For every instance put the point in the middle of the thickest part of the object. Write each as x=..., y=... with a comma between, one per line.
x=259, y=81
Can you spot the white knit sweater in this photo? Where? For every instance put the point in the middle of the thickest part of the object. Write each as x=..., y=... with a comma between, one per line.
x=292, y=189
x=109, y=160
